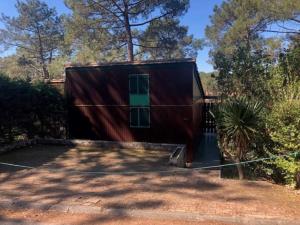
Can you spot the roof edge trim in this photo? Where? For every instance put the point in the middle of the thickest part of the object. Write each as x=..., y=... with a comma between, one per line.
x=182, y=60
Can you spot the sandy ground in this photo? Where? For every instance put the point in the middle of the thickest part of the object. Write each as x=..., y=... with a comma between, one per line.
x=38, y=217
x=190, y=191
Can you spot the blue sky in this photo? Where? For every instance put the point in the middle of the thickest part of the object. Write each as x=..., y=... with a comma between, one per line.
x=196, y=19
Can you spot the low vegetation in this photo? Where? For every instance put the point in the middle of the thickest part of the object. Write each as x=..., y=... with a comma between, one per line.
x=29, y=110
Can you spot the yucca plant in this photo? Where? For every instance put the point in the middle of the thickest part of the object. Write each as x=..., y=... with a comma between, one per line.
x=237, y=122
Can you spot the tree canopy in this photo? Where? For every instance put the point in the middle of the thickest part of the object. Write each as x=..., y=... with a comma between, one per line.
x=94, y=30
x=238, y=22
x=166, y=38
x=140, y=26
x=36, y=33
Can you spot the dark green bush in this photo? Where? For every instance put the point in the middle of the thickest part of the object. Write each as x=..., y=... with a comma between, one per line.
x=29, y=110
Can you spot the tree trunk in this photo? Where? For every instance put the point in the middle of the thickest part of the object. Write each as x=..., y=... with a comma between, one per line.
x=240, y=169
x=298, y=179
x=128, y=34
x=41, y=52
x=45, y=71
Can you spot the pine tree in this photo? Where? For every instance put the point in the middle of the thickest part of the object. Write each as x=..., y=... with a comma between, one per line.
x=37, y=31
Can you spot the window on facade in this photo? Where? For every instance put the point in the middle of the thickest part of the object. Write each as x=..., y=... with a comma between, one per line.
x=143, y=85
x=139, y=100
x=133, y=84
x=139, y=84
x=134, y=117
x=140, y=117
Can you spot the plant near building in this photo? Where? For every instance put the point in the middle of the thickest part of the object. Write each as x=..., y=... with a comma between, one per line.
x=283, y=121
x=284, y=128
x=29, y=110
x=238, y=125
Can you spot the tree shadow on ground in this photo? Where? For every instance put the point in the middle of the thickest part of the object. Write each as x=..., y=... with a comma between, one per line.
x=200, y=191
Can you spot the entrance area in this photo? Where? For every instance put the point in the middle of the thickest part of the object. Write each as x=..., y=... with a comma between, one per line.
x=207, y=152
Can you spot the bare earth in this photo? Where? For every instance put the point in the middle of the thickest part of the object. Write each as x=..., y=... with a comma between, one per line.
x=51, y=218
x=172, y=197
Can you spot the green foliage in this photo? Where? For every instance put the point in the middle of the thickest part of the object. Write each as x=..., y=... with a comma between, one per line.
x=110, y=30
x=29, y=110
x=289, y=168
x=247, y=52
x=10, y=65
x=243, y=74
x=284, y=129
x=114, y=30
x=209, y=83
x=282, y=119
x=57, y=66
x=238, y=124
x=284, y=124
x=167, y=39
x=36, y=32
x=238, y=22
x=242, y=53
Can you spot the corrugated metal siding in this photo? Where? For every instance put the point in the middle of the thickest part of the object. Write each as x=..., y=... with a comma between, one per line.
x=169, y=85
x=168, y=124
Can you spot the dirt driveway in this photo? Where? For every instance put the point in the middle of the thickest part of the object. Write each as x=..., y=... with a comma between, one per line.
x=166, y=194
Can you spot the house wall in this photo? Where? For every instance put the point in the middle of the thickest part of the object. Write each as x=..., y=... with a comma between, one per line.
x=198, y=105
x=98, y=99
x=198, y=114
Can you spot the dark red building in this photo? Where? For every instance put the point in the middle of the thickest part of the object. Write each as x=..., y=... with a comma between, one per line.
x=150, y=101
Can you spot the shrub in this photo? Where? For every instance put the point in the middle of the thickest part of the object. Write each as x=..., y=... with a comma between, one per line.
x=238, y=125
x=284, y=128
x=29, y=110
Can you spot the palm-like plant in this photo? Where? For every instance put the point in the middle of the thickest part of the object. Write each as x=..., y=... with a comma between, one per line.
x=237, y=123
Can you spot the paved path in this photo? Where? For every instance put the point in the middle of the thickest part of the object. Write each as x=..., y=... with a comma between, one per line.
x=207, y=152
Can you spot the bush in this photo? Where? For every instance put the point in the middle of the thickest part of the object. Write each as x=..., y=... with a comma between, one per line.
x=284, y=128
x=29, y=110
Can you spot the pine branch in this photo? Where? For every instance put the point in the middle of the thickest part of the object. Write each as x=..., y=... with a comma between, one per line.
x=281, y=32
x=296, y=20
x=121, y=10
x=19, y=46
x=143, y=46
x=283, y=27
x=108, y=10
x=121, y=46
x=135, y=3
x=149, y=21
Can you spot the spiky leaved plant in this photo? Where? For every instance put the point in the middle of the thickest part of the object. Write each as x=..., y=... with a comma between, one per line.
x=237, y=121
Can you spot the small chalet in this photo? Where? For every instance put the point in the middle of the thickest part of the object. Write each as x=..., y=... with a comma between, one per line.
x=149, y=101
